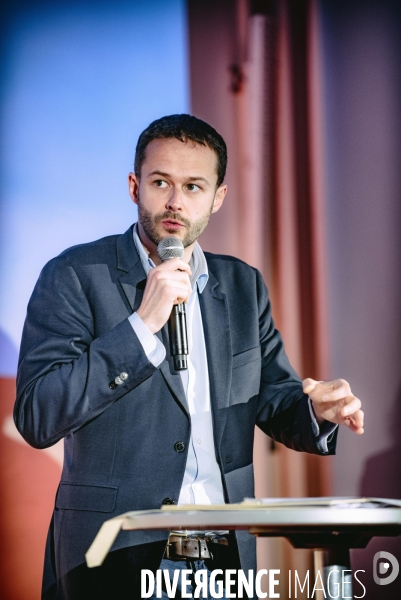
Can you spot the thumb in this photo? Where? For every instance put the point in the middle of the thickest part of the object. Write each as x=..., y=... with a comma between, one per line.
x=309, y=385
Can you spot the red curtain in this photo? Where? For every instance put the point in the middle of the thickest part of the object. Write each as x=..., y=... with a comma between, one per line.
x=28, y=483
x=270, y=113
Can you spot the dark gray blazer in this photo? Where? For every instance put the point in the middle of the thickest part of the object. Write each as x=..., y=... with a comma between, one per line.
x=119, y=443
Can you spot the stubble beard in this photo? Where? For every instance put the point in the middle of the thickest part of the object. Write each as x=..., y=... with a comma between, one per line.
x=149, y=224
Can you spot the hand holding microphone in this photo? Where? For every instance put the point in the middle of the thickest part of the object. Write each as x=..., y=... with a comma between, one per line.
x=168, y=286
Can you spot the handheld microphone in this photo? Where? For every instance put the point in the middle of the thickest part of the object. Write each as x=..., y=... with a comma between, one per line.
x=171, y=247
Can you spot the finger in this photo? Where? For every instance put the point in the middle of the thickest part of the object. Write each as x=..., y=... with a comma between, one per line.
x=179, y=293
x=355, y=423
x=309, y=385
x=334, y=390
x=174, y=276
x=163, y=277
x=352, y=405
x=175, y=264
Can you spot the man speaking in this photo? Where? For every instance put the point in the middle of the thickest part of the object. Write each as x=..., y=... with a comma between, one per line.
x=140, y=429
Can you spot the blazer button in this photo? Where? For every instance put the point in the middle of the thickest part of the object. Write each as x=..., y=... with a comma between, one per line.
x=123, y=375
x=118, y=380
x=179, y=446
x=112, y=385
x=167, y=501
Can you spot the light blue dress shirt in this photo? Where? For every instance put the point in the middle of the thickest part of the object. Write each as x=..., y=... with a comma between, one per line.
x=202, y=482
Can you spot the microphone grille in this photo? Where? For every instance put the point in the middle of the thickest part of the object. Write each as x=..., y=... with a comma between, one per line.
x=170, y=247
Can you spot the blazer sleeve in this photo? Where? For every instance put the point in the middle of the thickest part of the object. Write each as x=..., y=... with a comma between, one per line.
x=283, y=411
x=65, y=376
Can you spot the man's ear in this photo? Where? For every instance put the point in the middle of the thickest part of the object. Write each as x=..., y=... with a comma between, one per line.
x=133, y=186
x=219, y=197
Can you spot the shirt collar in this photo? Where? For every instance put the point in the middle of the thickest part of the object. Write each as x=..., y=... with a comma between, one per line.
x=198, y=264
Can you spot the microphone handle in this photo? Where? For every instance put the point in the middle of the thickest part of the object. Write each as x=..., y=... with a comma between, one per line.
x=177, y=329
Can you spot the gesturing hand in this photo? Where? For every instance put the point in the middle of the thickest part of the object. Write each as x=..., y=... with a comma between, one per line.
x=167, y=284
x=334, y=402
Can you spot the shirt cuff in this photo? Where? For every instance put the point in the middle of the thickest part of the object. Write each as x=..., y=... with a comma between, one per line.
x=152, y=346
x=324, y=433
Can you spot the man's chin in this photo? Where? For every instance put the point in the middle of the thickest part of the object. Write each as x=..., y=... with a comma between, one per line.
x=178, y=232
x=160, y=231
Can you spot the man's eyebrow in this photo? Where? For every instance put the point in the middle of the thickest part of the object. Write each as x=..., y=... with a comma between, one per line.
x=158, y=173
x=198, y=179
x=193, y=178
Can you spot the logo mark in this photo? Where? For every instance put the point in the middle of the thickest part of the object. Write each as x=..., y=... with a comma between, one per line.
x=384, y=568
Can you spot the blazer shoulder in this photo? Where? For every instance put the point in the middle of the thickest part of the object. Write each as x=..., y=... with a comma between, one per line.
x=73, y=262
x=103, y=250
x=82, y=252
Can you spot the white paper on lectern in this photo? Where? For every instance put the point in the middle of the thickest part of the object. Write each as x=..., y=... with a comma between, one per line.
x=335, y=502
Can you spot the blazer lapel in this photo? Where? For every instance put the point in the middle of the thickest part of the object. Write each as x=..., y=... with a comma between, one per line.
x=173, y=380
x=133, y=277
x=216, y=328
x=133, y=281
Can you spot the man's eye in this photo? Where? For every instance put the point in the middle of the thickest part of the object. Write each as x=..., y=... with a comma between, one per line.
x=160, y=183
x=192, y=187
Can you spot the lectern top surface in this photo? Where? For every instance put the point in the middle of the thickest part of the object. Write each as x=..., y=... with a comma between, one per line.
x=279, y=517
x=298, y=503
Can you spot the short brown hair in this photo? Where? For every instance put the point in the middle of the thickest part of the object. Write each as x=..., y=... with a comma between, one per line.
x=183, y=127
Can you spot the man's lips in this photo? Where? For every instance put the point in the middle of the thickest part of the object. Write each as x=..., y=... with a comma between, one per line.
x=172, y=223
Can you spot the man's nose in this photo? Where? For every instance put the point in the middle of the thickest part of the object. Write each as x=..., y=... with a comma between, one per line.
x=175, y=199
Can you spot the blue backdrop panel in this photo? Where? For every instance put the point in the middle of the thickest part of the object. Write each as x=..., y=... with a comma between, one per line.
x=81, y=80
